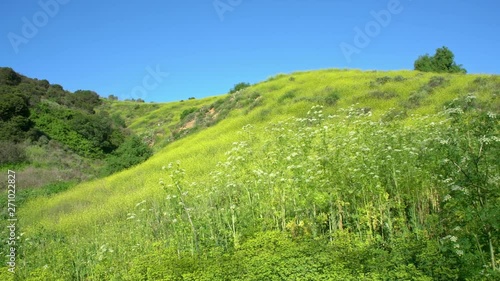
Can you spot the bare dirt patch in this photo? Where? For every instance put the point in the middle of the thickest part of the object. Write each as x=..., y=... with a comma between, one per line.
x=188, y=125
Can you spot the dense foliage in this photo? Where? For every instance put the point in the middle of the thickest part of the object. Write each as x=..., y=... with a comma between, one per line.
x=88, y=134
x=442, y=62
x=32, y=109
x=14, y=117
x=238, y=87
x=131, y=152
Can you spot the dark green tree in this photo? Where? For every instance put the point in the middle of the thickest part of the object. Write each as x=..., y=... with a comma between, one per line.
x=442, y=62
x=424, y=63
x=86, y=100
x=13, y=105
x=55, y=93
x=9, y=77
x=14, y=117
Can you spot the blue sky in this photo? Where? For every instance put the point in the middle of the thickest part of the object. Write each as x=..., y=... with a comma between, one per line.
x=166, y=50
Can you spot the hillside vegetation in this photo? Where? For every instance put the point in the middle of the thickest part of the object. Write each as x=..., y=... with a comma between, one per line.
x=54, y=136
x=320, y=175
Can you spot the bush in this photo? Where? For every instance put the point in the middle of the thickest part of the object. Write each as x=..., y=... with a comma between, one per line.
x=331, y=97
x=399, y=78
x=287, y=95
x=13, y=105
x=394, y=114
x=132, y=152
x=415, y=100
x=11, y=153
x=437, y=81
x=238, y=87
x=442, y=62
x=187, y=112
x=382, y=95
x=87, y=134
x=86, y=100
x=383, y=80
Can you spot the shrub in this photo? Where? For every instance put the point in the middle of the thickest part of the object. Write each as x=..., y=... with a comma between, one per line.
x=415, y=100
x=288, y=95
x=238, y=87
x=11, y=153
x=437, y=81
x=383, y=80
x=132, y=152
x=394, y=114
x=13, y=105
x=87, y=134
x=264, y=113
x=86, y=100
x=187, y=112
x=382, y=95
x=399, y=78
x=331, y=96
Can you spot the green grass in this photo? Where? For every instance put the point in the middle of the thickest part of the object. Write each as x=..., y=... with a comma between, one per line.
x=83, y=222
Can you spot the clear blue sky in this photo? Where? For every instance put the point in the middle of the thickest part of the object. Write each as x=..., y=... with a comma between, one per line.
x=113, y=46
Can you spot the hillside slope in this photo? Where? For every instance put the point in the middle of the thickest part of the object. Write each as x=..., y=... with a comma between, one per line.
x=390, y=93
x=167, y=220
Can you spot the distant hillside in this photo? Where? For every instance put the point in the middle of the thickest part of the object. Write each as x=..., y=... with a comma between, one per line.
x=319, y=175
x=393, y=94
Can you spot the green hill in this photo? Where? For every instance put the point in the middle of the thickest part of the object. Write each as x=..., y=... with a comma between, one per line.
x=319, y=175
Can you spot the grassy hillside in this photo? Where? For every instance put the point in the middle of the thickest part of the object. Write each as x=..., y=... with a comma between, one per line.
x=197, y=209
x=383, y=93
x=154, y=122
